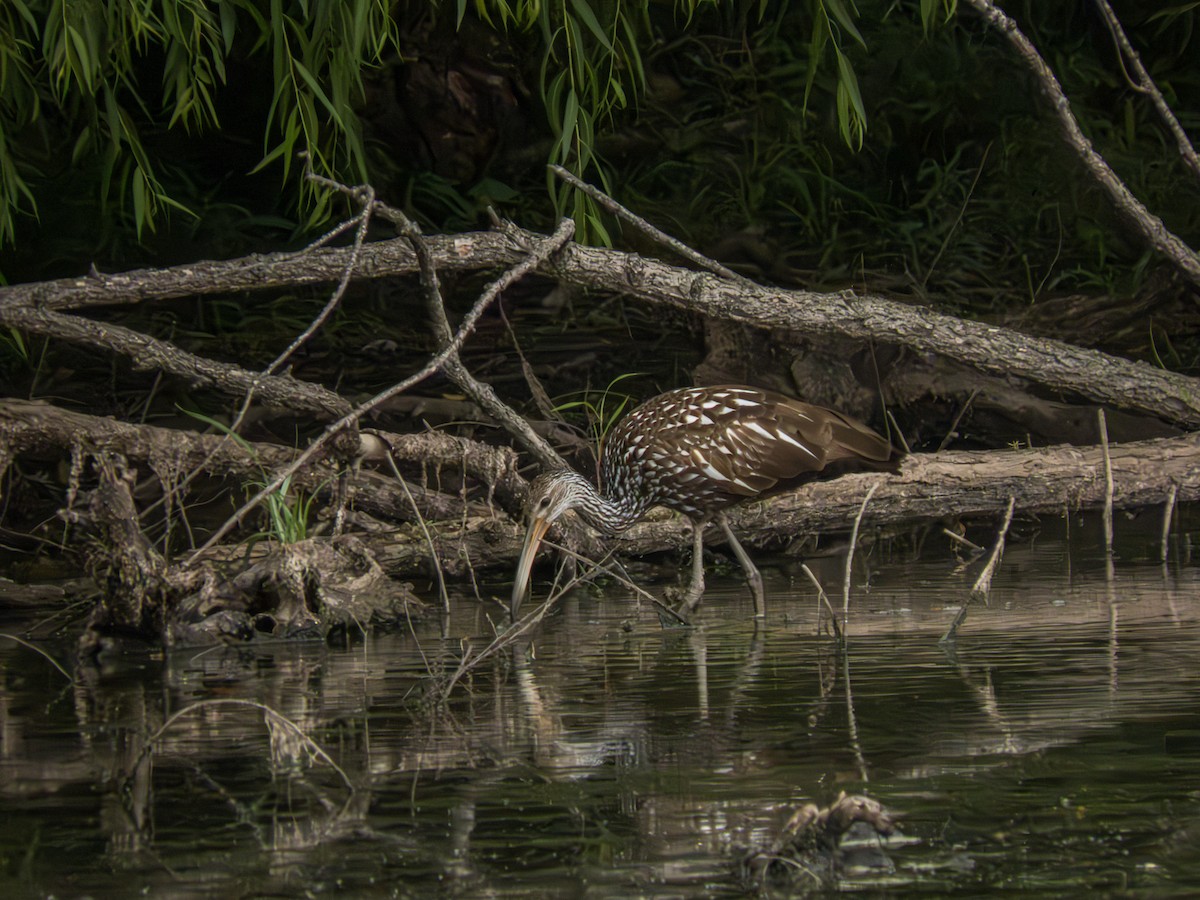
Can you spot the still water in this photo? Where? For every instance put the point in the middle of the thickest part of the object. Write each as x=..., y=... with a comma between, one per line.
x=1054, y=749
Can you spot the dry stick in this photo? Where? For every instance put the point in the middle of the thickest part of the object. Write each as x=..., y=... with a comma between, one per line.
x=958, y=538
x=646, y=228
x=1166, y=526
x=983, y=584
x=538, y=255
x=364, y=193
x=1146, y=223
x=962, y=411
x=850, y=559
x=822, y=597
x=481, y=393
x=1145, y=85
x=433, y=555
x=1108, y=484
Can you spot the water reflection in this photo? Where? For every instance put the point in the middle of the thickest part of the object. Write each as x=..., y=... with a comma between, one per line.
x=1057, y=743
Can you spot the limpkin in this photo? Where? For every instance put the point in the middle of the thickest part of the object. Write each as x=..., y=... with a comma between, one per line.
x=697, y=451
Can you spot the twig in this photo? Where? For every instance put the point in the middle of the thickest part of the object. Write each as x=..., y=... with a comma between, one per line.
x=1166, y=525
x=958, y=538
x=983, y=584
x=850, y=558
x=481, y=393
x=36, y=649
x=537, y=256
x=962, y=211
x=646, y=228
x=1145, y=84
x=1150, y=226
x=434, y=559
x=822, y=598
x=951, y=432
x=1108, y=484
x=364, y=220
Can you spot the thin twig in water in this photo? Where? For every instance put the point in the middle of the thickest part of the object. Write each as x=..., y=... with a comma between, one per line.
x=852, y=719
x=1166, y=525
x=646, y=228
x=958, y=538
x=537, y=256
x=850, y=559
x=1108, y=484
x=822, y=598
x=983, y=584
x=36, y=649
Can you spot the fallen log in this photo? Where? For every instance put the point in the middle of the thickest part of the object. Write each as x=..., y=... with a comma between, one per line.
x=992, y=349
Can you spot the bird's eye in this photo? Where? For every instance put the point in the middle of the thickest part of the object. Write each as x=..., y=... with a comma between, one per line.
x=544, y=503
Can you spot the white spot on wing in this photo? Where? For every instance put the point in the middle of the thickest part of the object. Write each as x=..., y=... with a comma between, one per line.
x=784, y=436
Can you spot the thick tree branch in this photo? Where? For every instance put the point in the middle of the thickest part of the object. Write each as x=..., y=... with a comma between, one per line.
x=999, y=351
x=148, y=353
x=1050, y=480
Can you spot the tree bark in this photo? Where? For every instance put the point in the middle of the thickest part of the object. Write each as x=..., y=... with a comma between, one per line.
x=929, y=486
x=1000, y=351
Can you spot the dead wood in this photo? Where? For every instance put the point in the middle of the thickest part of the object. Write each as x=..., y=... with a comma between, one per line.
x=308, y=588
x=32, y=428
x=999, y=351
x=1149, y=226
x=150, y=354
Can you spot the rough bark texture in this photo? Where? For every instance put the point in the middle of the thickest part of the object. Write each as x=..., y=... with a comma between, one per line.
x=928, y=486
x=41, y=429
x=988, y=348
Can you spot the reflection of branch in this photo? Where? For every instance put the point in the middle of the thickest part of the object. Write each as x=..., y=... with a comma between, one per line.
x=270, y=718
x=1145, y=85
x=1147, y=224
x=852, y=719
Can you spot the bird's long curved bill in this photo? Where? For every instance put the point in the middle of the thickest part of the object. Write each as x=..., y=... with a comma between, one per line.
x=533, y=539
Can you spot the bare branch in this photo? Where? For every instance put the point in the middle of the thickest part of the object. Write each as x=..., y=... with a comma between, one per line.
x=1152, y=229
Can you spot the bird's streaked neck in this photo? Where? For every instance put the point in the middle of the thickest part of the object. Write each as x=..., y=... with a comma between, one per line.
x=610, y=512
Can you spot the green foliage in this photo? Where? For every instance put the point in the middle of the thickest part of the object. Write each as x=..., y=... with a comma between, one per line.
x=602, y=411
x=288, y=515
x=109, y=79
x=593, y=68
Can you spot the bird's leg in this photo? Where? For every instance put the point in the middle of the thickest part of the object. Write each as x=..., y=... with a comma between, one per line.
x=753, y=576
x=691, y=597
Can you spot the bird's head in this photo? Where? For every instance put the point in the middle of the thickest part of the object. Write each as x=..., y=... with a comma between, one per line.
x=550, y=495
